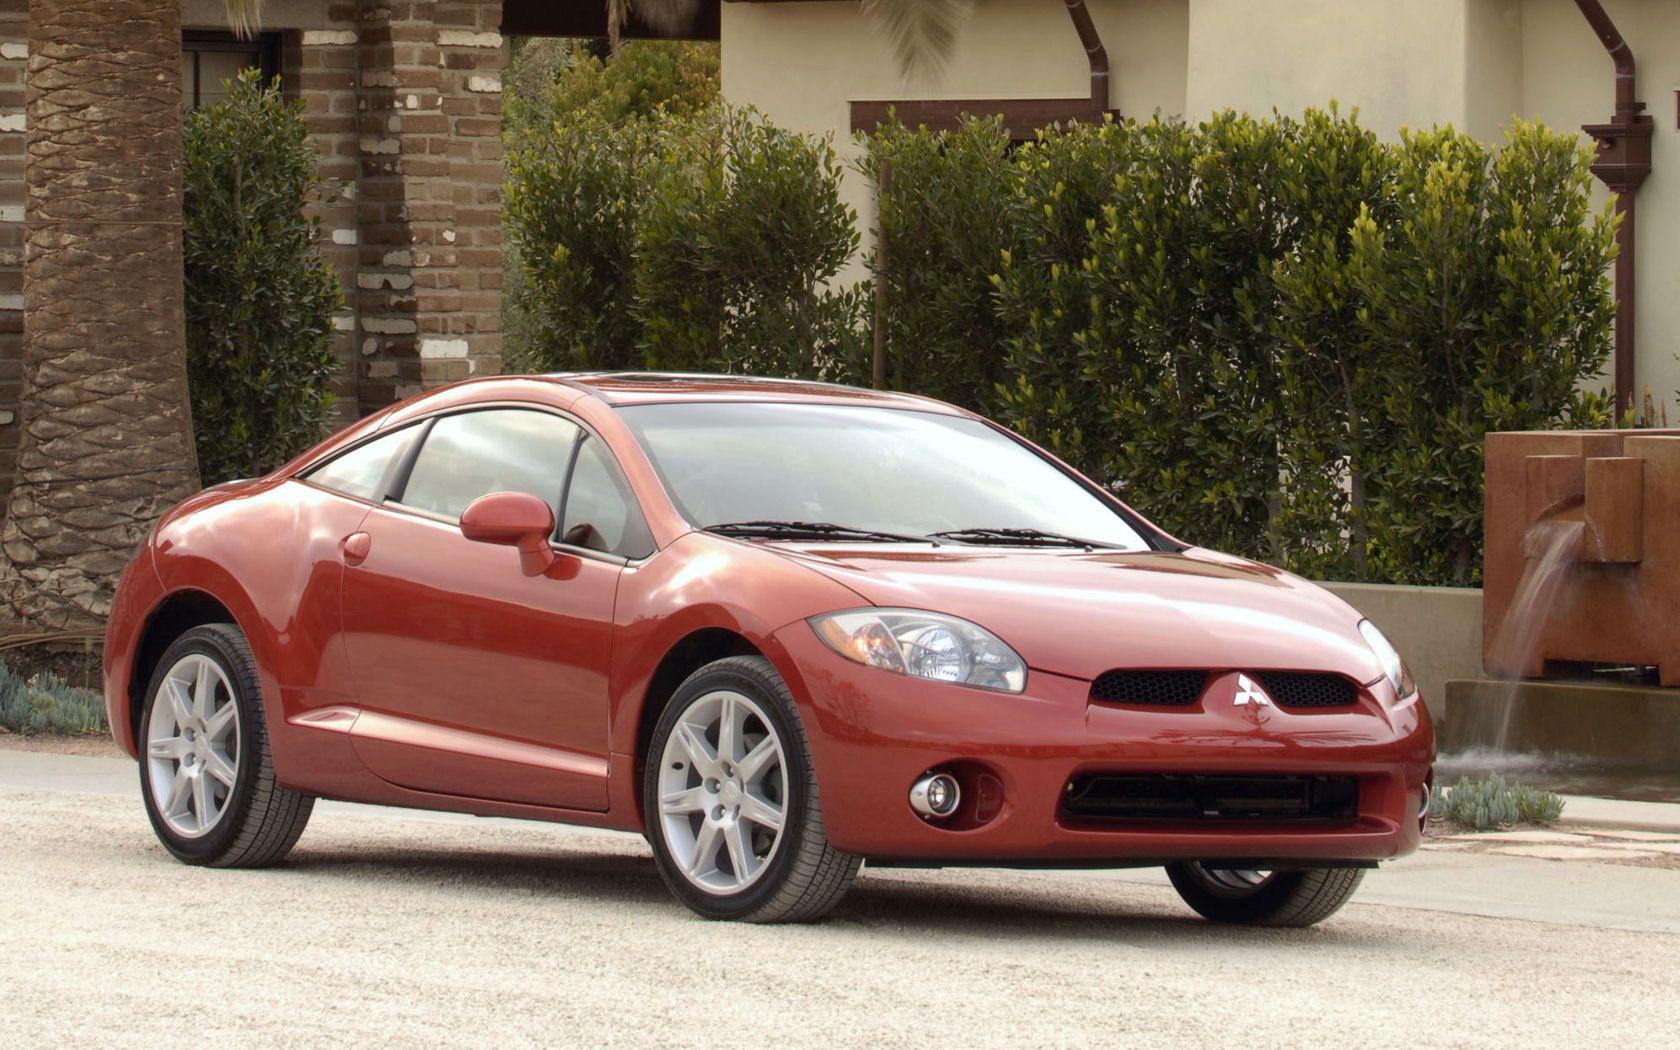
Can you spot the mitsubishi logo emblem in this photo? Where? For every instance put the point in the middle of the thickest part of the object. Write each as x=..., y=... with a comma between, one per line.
x=1250, y=695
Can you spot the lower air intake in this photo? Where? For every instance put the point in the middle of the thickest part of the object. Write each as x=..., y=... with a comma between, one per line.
x=1192, y=797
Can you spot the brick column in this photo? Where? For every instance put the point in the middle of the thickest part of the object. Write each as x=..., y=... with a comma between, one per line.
x=14, y=56
x=427, y=287
x=318, y=66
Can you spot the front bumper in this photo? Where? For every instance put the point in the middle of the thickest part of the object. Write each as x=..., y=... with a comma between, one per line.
x=873, y=733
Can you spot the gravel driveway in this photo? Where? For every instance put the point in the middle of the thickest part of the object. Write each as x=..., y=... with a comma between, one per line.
x=407, y=932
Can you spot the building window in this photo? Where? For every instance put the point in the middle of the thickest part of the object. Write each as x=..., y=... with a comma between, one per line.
x=210, y=59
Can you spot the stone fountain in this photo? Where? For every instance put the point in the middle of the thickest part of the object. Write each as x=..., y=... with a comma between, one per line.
x=1580, y=602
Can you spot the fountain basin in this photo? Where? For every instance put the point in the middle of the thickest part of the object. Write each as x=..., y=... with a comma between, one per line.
x=1632, y=725
x=1576, y=737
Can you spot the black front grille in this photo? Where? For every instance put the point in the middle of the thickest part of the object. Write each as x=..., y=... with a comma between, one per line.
x=1158, y=688
x=1308, y=689
x=1191, y=797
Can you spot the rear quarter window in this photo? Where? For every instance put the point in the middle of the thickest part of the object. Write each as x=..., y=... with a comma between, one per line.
x=361, y=472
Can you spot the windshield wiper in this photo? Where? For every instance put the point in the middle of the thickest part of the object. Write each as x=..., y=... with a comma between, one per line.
x=1018, y=537
x=818, y=530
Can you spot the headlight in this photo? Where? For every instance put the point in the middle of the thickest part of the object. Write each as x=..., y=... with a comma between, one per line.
x=1394, y=668
x=924, y=645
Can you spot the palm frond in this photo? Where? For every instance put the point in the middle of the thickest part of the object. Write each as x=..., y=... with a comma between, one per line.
x=922, y=33
x=244, y=16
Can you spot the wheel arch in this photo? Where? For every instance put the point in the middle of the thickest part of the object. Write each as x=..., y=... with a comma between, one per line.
x=174, y=615
x=691, y=652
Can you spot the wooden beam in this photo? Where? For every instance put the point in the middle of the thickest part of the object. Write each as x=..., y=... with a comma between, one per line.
x=588, y=18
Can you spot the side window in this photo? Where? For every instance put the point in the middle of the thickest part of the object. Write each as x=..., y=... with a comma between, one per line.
x=473, y=454
x=601, y=514
x=360, y=471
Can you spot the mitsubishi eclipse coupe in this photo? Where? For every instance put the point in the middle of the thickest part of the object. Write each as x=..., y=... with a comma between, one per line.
x=780, y=629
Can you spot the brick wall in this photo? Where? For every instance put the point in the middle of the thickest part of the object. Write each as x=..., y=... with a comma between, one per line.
x=14, y=53
x=318, y=66
x=428, y=299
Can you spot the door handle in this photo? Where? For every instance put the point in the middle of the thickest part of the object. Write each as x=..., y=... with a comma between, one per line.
x=355, y=547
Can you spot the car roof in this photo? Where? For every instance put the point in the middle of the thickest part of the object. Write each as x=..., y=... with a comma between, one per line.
x=643, y=388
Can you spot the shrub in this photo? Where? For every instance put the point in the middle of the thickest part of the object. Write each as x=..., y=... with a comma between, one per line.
x=680, y=79
x=742, y=231
x=1490, y=802
x=559, y=95
x=701, y=244
x=944, y=225
x=259, y=298
x=45, y=703
x=1489, y=300
x=571, y=211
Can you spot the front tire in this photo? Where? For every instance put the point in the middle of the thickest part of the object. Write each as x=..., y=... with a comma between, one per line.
x=731, y=802
x=206, y=775
x=1255, y=898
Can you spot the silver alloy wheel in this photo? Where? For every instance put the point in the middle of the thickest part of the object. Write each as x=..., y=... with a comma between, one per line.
x=722, y=792
x=1230, y=882
x=192, y=745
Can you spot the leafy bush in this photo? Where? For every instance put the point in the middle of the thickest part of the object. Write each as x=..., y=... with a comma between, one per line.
x=1488, y=299
x=259, y=298
x=740, y=234
x=559, y=98
x=45, y=703
x=571, y=210
x=942, y=221
x=1175, y=397
x=701, y=244
x=1281, y=337
x=1490, y=802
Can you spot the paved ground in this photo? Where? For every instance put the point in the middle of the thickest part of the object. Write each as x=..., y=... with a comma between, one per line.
x=449, y=931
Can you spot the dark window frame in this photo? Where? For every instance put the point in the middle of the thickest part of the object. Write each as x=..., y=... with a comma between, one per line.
x=265, y=47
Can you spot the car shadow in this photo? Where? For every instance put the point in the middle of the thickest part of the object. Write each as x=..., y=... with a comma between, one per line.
x=945, y=904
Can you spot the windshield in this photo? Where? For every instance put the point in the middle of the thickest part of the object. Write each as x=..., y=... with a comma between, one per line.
x=886, y=471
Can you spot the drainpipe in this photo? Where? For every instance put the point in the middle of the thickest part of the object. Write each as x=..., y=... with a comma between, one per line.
x=1095, y=53
x=1624, y=159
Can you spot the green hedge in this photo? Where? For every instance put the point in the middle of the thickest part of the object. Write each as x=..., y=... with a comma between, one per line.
x=1280, y=337
x=259, y=298
x=706, y=243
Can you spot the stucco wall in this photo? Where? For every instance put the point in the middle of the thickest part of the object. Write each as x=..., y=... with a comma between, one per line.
x=1400, y=63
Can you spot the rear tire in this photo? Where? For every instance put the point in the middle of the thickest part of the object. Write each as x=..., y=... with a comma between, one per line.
x=1277, y=898
x=713, y=800
x=206, y=775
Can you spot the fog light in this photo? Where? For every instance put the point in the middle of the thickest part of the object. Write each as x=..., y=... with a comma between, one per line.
x=935, y=796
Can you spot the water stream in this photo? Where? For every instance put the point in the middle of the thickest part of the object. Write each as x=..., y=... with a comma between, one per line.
x=1552, y=547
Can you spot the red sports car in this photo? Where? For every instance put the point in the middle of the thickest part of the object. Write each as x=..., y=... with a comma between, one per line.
x=776, y=627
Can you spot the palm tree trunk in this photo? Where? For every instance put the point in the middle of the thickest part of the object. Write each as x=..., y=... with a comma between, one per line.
x=106, y=445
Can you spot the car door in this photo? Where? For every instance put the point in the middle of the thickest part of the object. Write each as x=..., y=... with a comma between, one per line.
x=475, y=679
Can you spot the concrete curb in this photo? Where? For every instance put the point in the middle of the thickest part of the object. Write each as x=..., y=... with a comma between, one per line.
x=1583, y=811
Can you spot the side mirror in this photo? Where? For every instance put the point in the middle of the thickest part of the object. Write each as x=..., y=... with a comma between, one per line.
x=513, y=519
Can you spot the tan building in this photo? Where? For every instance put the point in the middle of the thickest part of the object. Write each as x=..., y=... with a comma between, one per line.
x=821, y=67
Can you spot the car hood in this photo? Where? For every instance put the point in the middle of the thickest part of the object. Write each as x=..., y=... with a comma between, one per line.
x=1081, y=613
